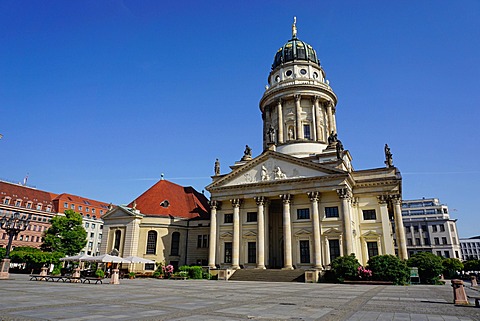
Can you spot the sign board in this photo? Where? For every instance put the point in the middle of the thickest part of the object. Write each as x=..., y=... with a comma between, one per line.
x=414, y=277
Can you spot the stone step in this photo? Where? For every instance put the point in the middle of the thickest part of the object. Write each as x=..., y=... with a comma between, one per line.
x=269, y=275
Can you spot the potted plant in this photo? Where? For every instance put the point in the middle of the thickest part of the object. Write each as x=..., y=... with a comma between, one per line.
x=100, y=274
x=131, y=275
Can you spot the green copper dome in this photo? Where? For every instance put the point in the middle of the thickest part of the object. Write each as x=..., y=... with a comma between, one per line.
x=295, y=50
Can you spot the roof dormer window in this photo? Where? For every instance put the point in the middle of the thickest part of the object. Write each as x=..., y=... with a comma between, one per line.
x=29, y=205
x=165, y=203
x=6, y=200
x=18, y=203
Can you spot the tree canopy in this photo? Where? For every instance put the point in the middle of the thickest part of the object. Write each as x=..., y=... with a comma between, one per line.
x=66, y=234
x=451, y=267
x=389, y=268
x=429, y=266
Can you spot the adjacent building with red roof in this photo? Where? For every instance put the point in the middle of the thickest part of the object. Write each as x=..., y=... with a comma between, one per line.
x=167, y=223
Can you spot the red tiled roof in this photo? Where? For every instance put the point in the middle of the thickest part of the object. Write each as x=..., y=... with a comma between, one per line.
x=183, y=202
x=78, y=200
x=25, y=193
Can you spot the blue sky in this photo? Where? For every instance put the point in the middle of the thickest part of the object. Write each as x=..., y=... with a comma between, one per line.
x=98, y=98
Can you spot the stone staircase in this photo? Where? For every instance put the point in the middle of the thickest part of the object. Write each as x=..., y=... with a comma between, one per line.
x=269, y=275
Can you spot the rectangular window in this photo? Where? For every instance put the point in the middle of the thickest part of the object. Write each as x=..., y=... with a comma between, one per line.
x=417, y=241
x=331, y=211
x=205, y=241
x=149, y=266
x=90, y=244
x=442, y=228
x=372, y=249
x=18, y=203
x=199, y=241
x=446, y=254
x=415, y=228
x=65, y=205
x=334, y=246
x=306, y=131
x=437, y=241
x=444, y=240
x=454, y=240
x=304, y=252
x=87, y=209
x=93, y=225
x=434, y=228
x=228, y=218
x=424, y=228
x=80, y=207
x=251, y=216
x=228, y=252
x=303, y=213
x=252, y=252
x=29, y=205
x=369, y=215
x=92, y=235
x=93, y=211
x=409, y=241
x=87, y=224
x=202, y=241
x=6, y=201
x=72, y=206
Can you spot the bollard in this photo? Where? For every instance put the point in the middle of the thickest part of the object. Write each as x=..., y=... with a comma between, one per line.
x=473, y=279
x=459, y=296
x=115, y=277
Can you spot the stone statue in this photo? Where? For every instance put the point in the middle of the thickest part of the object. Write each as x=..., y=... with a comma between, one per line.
x=290, y=133
x=388, y=156
x=265, y=176
x=332, y=138
x=247, y=154
x=217, y=167
x=271, y=135
x=339, y=148
x=278, y=173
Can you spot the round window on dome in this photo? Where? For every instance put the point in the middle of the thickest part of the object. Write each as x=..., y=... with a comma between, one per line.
x=315, y=75
x=288, y=73
x=277, y=78
x=303, y=71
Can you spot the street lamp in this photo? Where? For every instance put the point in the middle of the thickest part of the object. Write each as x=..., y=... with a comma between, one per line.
x=13, y=225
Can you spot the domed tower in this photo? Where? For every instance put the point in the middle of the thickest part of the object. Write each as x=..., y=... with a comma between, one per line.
x=298, y=106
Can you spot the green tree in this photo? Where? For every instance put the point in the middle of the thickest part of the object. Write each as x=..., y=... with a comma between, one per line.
x=34, y=258
x=3, y=251
x=389, y=268
x=429, y=266
x=471, y=265
x=66, y=234
x=345, y=268
x=451, y=266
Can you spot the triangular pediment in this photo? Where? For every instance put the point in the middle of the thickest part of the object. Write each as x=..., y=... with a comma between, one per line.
x=226, y=235
x=121, y=212
x=332, y=231
x=250, y=234
x=272, y=167
x=371, y=234
x=302, y=232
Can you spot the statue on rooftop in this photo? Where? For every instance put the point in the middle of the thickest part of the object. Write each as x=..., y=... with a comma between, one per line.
x=388, y=156
x=217, y=167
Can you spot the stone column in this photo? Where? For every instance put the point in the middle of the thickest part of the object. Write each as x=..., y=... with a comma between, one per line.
x=340, y=242
x=330, y=118
x=213, y=234
x=365, y=256
x=386, y=227
x=400, y=230
x=287, y=232
x=260, y=232
x=236, y=234
x=280, y=122
x=345, y=195
x=267, y=229
x=327, y=251
x=318, y=128
x=420, y=233
x=317, y=251
x=334, y=122
x=298, y=110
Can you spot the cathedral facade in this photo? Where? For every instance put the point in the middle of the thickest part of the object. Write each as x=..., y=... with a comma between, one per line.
x=300, y=204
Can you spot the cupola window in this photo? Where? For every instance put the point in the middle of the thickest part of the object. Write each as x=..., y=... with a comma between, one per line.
x=288, y=73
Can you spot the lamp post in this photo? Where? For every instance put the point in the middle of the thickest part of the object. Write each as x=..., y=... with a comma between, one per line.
x=13, y=225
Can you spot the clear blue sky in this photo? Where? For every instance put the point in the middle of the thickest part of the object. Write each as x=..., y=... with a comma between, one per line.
x=98, y=98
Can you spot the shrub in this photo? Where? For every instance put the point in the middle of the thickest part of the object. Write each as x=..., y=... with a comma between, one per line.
x=156, y=274
x=194, y=272
x=389, y=268
x=100, y=274
x=429, y=266
x=450, y=267
x=345, y=268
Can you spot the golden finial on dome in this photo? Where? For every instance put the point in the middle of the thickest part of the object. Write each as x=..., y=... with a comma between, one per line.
x=294, y=28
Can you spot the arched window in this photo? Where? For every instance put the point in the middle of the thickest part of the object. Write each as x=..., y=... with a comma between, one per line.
x=175, y=243
x=118, y=237
x=152, y=242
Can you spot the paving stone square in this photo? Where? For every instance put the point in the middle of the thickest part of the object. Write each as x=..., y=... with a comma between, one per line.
x=152, y=299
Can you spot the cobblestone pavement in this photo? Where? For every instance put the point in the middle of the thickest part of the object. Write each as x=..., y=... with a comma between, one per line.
x=151, y=299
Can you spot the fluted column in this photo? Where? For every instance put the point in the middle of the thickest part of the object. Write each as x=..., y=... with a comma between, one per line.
x=400, y=229
x=260, y=232
x=317, y=251
x=280, y=122
x=344, y=194
x=330, y=118
x=236, y=234
x=327, y=251
x=213, y=234
x=298, y=110
x=420, y=233
x=287, y=232
x=318, y=128
x=387, y=236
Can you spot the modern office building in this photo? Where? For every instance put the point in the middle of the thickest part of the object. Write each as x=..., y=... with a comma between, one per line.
x=470, y=248
x=429, y=228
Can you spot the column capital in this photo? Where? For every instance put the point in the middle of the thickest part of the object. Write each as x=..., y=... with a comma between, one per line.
x=314, y=196
x=344, y=193
x=260, y=200
x=214, y=204
x=396, y=199
x=383, y=199
x=286, y=198
x=297, y=97
x=315, y=99
x=236, y=202
x=279, y=101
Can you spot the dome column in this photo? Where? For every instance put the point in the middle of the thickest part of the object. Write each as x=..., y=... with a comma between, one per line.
x=213, y=234
x=318, y=128
x=236, y=234
x=298, y=110
x=280, y=121
x=287, y=232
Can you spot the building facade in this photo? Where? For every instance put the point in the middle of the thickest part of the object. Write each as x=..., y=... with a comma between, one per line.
x=43, y=206
x=429, y=228
x=300, y=204
x=167, y=224
x=470, y=248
